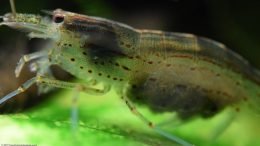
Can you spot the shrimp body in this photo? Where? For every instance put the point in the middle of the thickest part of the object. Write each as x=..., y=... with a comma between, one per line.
x=167, y=72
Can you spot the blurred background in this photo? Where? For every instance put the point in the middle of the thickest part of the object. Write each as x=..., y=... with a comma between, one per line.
x=232, y=22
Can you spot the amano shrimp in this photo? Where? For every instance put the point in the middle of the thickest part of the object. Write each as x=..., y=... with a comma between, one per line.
x=165, y=71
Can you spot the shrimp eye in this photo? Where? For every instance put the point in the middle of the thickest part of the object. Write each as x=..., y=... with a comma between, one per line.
x=58, y=18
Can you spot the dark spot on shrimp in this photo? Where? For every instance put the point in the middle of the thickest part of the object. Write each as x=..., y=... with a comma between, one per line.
x=237, y=109
x=134, y=86
x=217, y=74
x=89, y=71
x=100, y=74
x=138, y=57
x=168, y=65
x=115, y=78
x=117, y=64
x=218, y=92
x=81, y=67
x=122, y=43
x=108, y=76
x=158, y=55
x=126, y=68
x=150, y=124
x=84, y=53
x=180, y=86
x=128, y=45
x=152, y=79
x=225, y=94
x=150, y=62
x=72, y=59
x=131, y=57
x=131, y=108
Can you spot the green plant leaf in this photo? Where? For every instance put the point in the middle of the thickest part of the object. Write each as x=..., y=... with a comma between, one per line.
x=103, y=120
x=106, y=121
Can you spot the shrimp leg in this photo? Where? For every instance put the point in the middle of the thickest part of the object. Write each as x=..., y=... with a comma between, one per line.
x=74, y=109
x=19, y=90
x=157, y=129
x=26, y=58
x=57, y=84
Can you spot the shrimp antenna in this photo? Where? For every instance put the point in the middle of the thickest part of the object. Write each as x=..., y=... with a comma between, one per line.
x=13, y=7
x=47, y=12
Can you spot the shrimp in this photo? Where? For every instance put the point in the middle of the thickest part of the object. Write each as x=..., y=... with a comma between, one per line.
x=165, y=71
